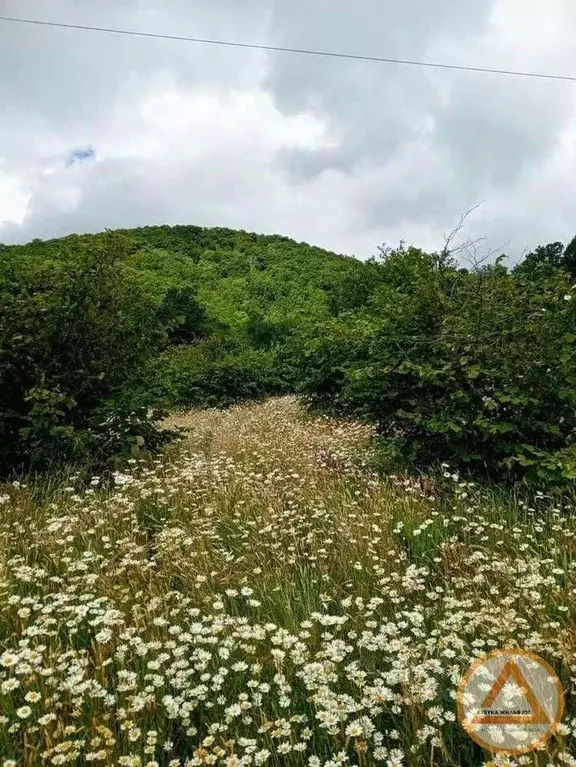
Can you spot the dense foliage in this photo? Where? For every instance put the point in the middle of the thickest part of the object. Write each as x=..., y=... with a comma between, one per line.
x=475, y=367
x=74, y=340
x=96, y=329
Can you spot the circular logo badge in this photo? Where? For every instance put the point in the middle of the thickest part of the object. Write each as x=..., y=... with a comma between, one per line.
x=510, y=701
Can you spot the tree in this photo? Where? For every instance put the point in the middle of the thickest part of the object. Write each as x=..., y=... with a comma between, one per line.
x=542, y=260
x=182, y=316
x=74, y=340
x=475, y=368
x=569, y=259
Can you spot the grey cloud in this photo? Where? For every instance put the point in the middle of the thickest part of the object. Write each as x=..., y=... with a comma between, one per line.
x=65, y=76
x=486, y=130
x=237, y=192
x=371, y=106
x=405, y=150
x=493, y=127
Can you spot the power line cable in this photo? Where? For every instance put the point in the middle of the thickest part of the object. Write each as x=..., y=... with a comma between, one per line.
x=281, y=49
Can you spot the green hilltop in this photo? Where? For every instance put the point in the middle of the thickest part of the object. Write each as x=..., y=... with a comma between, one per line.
x=234, y=273
x=167, y=316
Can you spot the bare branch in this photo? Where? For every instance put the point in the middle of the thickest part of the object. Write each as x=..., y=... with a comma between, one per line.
x=449, y=249
x=476, y=262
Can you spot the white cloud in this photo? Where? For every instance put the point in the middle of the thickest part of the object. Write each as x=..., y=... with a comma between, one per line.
x=13, y=199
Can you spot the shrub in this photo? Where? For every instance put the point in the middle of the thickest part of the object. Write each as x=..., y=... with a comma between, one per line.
x=74, y=339
x=214, y=374
x=474, y=368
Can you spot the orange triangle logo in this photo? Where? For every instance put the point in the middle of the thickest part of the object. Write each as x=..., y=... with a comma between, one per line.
x=511, y=671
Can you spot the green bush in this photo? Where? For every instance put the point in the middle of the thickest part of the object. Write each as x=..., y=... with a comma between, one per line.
x=217, y=373
x=121, y=432
x=182, y=316
x=74, y=339
x=477, y=369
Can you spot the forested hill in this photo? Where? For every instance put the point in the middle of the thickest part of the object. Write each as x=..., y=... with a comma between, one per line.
x=236, y=275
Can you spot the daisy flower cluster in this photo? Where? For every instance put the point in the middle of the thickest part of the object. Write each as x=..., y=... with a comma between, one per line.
x=257, y=595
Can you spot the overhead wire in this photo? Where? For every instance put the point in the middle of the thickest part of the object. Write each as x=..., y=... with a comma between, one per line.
x=284, y=49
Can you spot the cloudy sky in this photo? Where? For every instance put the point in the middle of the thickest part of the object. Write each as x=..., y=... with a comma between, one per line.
x=100, y=131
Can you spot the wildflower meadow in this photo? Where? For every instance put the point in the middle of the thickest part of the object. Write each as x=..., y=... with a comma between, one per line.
x=258, y=594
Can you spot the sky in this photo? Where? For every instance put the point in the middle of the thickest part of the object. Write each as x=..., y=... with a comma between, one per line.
x=100, y=131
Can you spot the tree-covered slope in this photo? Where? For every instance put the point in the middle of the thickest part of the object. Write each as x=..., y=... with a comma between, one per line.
x=473, y=367
x=235, y=274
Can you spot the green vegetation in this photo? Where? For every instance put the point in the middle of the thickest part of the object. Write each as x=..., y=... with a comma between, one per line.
x=282, y=587
x=95, y=330
x=73, y=342
x=476, y=368
x=99, y=334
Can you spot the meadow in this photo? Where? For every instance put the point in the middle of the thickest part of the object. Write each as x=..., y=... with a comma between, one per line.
x=258, y=594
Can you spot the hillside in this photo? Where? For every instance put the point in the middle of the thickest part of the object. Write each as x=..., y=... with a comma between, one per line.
x=234, y=273
x=101, y=326
x=189, y=578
